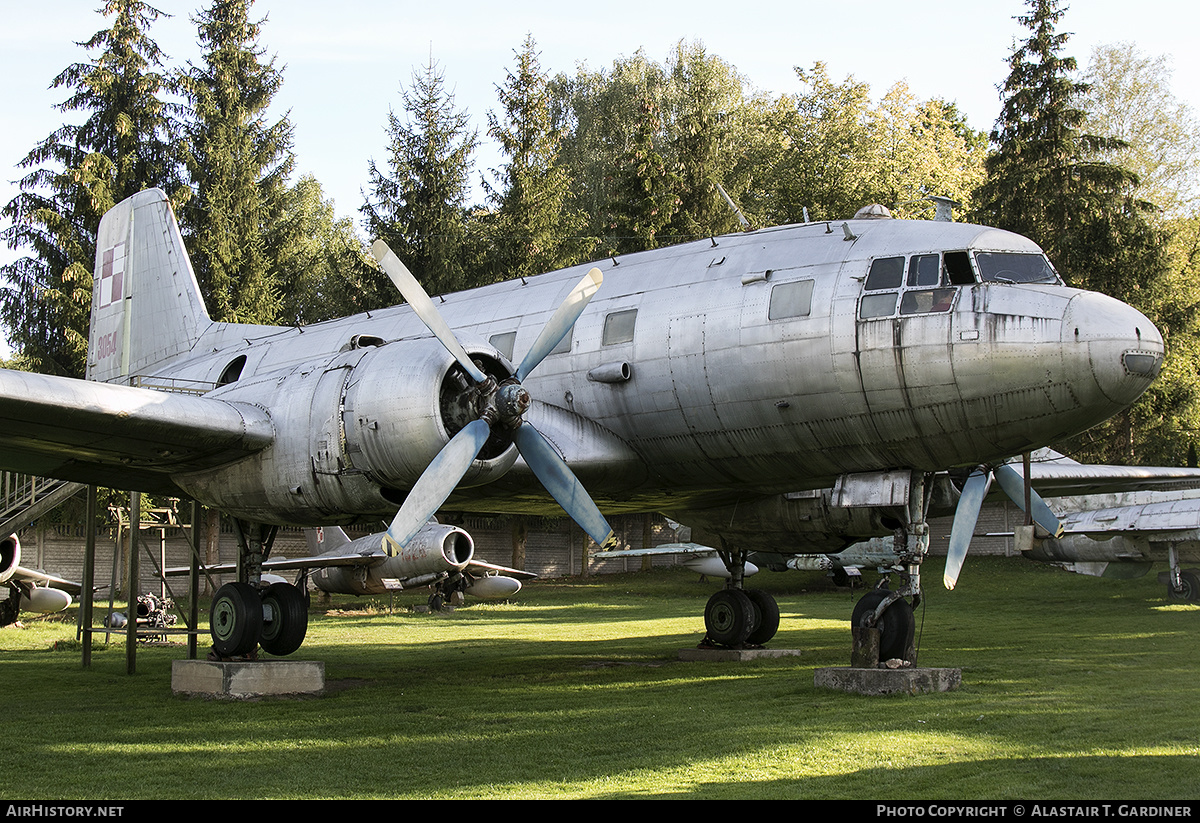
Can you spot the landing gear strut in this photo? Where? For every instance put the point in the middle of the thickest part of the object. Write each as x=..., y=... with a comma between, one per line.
x=1181, y=585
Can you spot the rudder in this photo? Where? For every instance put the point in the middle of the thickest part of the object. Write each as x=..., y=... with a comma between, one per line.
x=146, y=303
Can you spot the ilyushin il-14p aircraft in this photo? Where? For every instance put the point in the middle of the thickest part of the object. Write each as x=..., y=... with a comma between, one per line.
x=799, y=388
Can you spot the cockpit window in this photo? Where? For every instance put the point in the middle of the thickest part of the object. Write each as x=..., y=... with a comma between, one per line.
x=1015, y=267
x=886, y=273
x=924, y=270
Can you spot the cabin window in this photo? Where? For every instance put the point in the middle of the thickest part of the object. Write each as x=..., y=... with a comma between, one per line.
x=924, y=270
x=1015, y=267
x=791, y=300
x=923, y=301
x=618, y=327
x=957, y=265
x=886, y=273
x=504, y=343
x=564, y=345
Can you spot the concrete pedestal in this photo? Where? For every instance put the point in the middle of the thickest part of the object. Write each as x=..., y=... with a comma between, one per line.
x=247, y=678
x=889, y=681
x=735, y=655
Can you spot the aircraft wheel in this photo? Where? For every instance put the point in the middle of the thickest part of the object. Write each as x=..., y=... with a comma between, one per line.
x=436, y=602
x=768, y=616
x=236, y=619
x=285, y=619
x=1189, y=587
x=897, y=626
x=729, y=617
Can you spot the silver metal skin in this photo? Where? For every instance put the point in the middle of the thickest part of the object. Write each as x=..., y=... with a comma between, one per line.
x=756, y=370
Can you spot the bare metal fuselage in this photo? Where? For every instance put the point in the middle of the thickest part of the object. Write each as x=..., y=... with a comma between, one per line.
x=690, y=381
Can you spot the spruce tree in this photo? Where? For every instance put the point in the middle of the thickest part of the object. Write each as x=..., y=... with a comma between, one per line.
x=419, y=204
x=535, y=228
x=1048, y=180
x=239, y=165
x=124, y=145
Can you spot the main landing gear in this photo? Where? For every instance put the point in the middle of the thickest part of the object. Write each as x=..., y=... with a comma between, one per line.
x=1181, y=585
x=736, y=617
x=245, y=616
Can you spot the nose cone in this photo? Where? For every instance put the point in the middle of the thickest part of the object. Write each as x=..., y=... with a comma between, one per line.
x=1119, y=345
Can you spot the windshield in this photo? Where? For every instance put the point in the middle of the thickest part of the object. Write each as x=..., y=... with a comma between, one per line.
x=1014, y=267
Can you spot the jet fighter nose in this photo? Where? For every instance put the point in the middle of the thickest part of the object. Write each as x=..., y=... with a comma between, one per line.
x=1123, y=348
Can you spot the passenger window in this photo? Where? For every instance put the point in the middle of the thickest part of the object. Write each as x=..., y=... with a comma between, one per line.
x=923, y=270
x=504, y=343
x=877, y=305
x=886, y=273
x=957, y=265
x=618, y=327
x=927, y=300
x=791, y=300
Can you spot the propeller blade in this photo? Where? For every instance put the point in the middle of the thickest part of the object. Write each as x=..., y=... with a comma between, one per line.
x=561, y=322
x=1013, y=484
x=562, y=483
x=965, y=516
x=423, y=306
x=437, y=482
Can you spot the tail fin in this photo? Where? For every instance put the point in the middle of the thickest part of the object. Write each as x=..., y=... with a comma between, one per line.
x=146, y=304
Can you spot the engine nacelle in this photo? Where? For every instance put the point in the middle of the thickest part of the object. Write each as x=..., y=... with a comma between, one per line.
x=352, y=435
x=10, y=557
x=435, y=551
x=405, y=401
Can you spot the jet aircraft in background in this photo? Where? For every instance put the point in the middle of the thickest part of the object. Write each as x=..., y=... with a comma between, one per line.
x=793, y=390
x=29, y=589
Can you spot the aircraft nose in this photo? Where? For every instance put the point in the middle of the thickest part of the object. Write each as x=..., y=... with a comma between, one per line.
x=1122, y=348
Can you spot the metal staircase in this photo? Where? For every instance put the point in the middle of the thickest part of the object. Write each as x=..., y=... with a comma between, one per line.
x=23, y=499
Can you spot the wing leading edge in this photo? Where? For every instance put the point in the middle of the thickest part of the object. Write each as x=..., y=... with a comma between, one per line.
x=120, y=436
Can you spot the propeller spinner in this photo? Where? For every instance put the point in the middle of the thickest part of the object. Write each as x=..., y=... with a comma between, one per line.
x=502, y=405
x=970, y=502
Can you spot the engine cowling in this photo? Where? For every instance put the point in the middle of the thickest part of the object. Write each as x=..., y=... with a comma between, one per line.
x=405, y=401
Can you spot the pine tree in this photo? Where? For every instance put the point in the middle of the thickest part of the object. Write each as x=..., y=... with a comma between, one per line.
x=535, y=228
x=124, y=145
x=419, y=206
x=239, y=165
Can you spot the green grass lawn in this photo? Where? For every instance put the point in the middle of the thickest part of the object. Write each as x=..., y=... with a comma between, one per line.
x=1073, y=688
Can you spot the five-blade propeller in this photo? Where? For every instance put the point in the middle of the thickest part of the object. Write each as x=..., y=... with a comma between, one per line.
x=971, y=500
x=502, y=406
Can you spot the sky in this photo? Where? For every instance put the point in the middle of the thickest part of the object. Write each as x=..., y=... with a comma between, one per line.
x=346, y=63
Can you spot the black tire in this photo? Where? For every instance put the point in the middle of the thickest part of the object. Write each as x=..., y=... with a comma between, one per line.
x=897, y=626
x=768, y=616
x=284, y=632
x=1189, y=587
x=729, y=617
x=235, y=621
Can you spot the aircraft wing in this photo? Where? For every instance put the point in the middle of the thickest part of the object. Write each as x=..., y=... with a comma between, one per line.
x=20, y=574
x=316, y=561
x=482, y=567
x=1056, y=476
x=120, y=436
x=680, y=549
